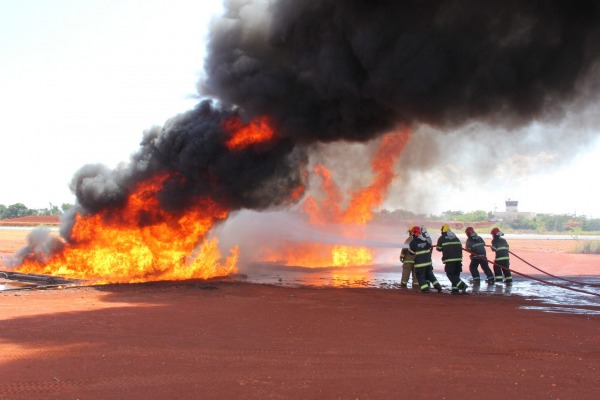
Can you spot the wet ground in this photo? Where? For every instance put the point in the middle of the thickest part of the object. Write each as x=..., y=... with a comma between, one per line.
x=547, y=294
x=551, y=295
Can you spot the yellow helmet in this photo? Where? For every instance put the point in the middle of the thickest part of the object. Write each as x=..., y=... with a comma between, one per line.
x=410, y=228
x=445, y=228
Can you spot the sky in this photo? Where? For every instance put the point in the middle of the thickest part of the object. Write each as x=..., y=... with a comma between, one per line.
x=80, y=80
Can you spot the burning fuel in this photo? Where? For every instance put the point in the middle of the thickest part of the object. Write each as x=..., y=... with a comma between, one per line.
x=114, y=243
x=285, y=76
x=242, y=135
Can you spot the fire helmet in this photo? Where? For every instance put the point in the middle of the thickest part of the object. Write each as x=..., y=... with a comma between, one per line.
x=416, y=231
x=410, y=228
x=469, y=231
x=445, y=228
x=495, y=231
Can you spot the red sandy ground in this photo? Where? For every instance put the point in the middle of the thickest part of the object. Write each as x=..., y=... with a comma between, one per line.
x=228, y=340
x=32, y=220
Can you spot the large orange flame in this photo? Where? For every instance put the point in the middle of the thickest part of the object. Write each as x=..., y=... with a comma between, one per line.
x=317, y=255
x=243, y=135
x=116, y=246
x=358, y=212
x=111, y=246
x=364, y=201
x=360, y=206
x=328, y=210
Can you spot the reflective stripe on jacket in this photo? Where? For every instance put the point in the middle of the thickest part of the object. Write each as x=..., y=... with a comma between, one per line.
x=450, y=246
x=500, y=246
x=421, y=248
x=476, y=245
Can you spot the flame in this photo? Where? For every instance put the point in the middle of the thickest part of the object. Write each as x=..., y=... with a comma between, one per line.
x=318, y=255
x=243, y=135
x=360, y=206
x=328, y=210
x=347, y=255
x=140, y=241
x=362, y=203
x=358, y=212
x=113, y=246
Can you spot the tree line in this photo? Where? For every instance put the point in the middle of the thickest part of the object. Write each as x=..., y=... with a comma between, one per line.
x=18, y=210
x=538, y=223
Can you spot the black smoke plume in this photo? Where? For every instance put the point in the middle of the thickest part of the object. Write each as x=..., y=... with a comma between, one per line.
x=329, y=70
x=348, y=70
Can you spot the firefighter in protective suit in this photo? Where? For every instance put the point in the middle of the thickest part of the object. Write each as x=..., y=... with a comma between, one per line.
x=476, y=245
x=420, y=247
x=500, y=247
x=408, y=263
x=451, y=247
x=426, y=234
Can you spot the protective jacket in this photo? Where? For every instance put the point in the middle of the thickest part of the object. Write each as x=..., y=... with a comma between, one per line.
x=421, y=249
x=500, y=246
x=476, y=245
x=450, y=246
x=405, y=256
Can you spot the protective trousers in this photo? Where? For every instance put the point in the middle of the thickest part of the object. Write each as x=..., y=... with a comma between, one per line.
x=474, y=269
x=425, y=276
x=453, y=270
x=499, y=272
x=408, y=269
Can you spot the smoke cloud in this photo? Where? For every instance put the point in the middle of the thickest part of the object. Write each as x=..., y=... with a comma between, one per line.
x=328, y=70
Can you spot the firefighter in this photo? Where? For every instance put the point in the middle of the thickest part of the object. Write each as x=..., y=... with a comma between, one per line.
x=426, y=235
x=476, y=245
x=421, y=249
x=408, y=263
x=500, y=247
x=451, y=247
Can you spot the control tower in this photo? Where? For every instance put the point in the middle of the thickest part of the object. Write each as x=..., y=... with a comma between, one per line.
x=511, y=206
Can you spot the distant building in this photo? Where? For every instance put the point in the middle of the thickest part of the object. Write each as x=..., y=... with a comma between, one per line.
x=511, y=205
x=512, y=211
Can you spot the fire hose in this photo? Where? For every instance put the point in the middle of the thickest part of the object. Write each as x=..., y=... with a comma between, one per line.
x=532, y=277
x=553, y=276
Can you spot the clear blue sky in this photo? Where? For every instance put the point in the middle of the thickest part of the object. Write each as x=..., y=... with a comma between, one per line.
x=80, y=80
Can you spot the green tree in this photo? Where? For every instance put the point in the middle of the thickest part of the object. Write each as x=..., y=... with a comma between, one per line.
x=591, y=225
x=452, y=215
x=553, y=223
x=521, y=223
x=475, y=216
x=17, y=210
x=51, y=210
